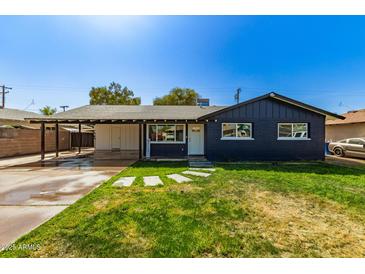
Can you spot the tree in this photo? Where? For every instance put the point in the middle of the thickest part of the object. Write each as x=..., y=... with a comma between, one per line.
x=178, y=96
x=48, y=111
x=113, y=95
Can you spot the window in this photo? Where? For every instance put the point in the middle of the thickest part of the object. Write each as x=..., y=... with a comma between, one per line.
x=166, y=133
x=236, y=131
x=356, y=142
x=293, y=131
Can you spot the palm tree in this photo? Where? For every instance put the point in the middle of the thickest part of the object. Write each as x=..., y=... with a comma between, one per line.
x=48, y=111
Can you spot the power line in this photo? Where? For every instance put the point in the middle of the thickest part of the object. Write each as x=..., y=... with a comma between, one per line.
x=31, y=104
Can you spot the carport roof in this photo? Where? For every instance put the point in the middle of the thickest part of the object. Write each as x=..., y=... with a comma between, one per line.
x=128, y=112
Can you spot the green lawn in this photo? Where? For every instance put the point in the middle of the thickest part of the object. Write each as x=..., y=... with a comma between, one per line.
x=242, y=210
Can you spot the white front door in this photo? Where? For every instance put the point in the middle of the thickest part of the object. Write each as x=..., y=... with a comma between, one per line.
x=115, y=137
x=195, y=139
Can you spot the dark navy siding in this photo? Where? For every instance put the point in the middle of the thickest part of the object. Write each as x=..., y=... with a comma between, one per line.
x=168, y=150
x=265, y=115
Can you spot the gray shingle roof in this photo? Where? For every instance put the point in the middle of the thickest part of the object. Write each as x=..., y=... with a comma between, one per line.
x=17, y=114
x=127, y=112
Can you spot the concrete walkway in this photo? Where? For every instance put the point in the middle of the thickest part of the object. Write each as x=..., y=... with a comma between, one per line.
x=152, y=181
x=196, y=173
x=33, y=193
x=156, y=180
x=124, y=181
x=179, y=178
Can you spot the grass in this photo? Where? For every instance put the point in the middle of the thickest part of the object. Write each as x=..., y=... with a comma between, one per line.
x=241, y=210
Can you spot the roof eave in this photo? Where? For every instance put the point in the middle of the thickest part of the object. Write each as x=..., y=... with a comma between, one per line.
x=305, y=106
x=277, y=97
x=110, y=121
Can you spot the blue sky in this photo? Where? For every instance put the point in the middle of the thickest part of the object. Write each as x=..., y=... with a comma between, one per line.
x=56, y=59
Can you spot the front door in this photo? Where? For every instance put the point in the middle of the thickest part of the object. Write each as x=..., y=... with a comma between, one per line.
x=115, y=137
x=196, y=139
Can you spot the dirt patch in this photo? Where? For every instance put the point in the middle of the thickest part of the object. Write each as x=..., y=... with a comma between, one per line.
x=185, y=188
x=100, y=204
x=307, y=226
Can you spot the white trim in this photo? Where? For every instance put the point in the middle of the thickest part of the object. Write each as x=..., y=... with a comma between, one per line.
x=148, y=148
x=293, y=138
x=166, y=142
x=236, y=138
x=303, y=107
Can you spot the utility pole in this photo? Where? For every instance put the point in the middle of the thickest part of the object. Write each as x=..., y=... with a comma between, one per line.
x=237, y=95
x=64, y=108
x=4, y=88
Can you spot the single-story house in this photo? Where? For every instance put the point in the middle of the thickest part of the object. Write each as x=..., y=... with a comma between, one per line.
x=269, y=127
x=351, y=127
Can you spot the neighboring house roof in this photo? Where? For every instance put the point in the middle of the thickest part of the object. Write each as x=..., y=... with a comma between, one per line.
x=11, y=114
x=351, y=117
x=281, y=98
x=133, y=112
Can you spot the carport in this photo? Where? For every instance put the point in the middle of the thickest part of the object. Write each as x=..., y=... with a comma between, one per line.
x=57, y=122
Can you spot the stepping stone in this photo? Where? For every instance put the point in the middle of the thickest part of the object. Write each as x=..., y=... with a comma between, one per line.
x=196, y=173
x=179, y=178
x=202, y=168
x=152, y=181
x=124, y=181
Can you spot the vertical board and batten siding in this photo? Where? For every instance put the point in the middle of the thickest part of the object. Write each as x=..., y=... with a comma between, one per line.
x=265, y=115
x=124, y=146
x=129, y=136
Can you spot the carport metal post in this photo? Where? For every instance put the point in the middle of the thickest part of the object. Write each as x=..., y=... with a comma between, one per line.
x=42, y=140
x=80, y=138
x=57, y=138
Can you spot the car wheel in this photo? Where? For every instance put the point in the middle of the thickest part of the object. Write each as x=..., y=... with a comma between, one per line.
x=338, y=151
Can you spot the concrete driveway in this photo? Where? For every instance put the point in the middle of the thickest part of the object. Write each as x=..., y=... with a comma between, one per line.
x=33, y=193
x=345, y=161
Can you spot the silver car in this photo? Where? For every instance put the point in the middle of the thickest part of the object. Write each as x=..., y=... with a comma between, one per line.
x=354, y=147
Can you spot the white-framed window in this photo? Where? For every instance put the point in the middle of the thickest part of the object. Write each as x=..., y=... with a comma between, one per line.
x=236, y=131
x=293, y=131
x=166, y=133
